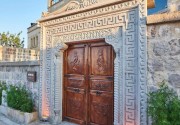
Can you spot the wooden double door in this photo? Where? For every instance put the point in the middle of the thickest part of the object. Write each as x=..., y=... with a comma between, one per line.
x=88, y=84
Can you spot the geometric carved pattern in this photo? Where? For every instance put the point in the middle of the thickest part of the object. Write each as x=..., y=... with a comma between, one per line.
x=125, y=31
x=95, y=12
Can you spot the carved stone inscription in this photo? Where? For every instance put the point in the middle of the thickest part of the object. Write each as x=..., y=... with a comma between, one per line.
x=78, y=5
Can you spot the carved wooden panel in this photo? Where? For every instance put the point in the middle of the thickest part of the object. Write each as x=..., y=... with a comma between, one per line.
x=101, y=108
x=75, y=82
x=75, y=104
x=103, y=85
x=75, y=60
x=100, y=60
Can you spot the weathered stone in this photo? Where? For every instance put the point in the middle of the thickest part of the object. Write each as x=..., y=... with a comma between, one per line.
x=164, y=47
x=175, y=47
x=18, y=116
x=164, y=31
x=174, y=80
x=157, y=65
x=30, y=117
x=172, y=64
x=3, y=110
x=161, y=49
x=4, y=98
x=152, y=88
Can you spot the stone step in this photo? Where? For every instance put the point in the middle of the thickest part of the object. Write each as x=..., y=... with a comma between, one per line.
x=5, y=121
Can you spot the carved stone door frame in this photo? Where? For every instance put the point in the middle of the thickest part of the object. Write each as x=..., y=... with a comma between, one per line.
x=125, y=30
x=114, y=38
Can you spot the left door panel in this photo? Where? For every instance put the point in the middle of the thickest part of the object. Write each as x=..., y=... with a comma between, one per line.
x=75, y=84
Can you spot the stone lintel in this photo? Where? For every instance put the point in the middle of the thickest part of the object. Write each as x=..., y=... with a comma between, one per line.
x=23, y=63
x=163, y=18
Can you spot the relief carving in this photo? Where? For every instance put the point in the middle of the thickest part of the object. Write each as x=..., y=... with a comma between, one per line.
x=78, y=5
x=73, y=5
x=75, y=62
x=101, y=64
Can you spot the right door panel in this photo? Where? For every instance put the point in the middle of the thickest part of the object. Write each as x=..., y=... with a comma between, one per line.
x=101, y=84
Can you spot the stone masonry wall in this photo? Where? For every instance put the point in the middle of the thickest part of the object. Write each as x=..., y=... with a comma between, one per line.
x=164, y=50
x=16, y=73
x=11, y=54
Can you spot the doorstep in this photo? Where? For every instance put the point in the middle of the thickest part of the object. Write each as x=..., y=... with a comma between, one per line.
x=46, y=123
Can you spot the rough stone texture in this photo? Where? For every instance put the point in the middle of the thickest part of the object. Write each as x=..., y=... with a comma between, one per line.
x=164, y=52
x=16, y=73
x=10, y=54
x=173, y=5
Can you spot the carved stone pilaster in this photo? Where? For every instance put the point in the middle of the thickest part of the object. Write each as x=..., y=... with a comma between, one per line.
x=115, y=39
x=58, y=81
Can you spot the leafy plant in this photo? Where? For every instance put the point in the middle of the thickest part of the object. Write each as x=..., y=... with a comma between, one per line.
x=19, y=98
x=164, y=106
x=2, y=87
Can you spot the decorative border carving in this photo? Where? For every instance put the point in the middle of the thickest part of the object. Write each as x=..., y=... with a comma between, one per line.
x=125, y=37
x=142, y=63
x=116, y=40
x=49, y=20
x=57, y=81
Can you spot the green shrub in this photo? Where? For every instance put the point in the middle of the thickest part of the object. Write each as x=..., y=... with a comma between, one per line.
x=19, y=98
x=164, y=106
x=2, y=87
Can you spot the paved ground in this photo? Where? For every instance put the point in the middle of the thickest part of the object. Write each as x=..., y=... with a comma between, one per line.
x=5, y=121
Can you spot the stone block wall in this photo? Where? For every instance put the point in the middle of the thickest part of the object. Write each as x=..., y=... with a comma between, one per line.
x=10, y=54
x=15, y=73
x=164, y=49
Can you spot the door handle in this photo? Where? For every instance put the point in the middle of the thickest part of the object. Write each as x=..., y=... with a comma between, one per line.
x=98, y=93
x=76, y=90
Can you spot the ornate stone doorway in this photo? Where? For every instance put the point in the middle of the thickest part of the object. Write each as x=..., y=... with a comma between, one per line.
x=89, y=83
x=122, y=24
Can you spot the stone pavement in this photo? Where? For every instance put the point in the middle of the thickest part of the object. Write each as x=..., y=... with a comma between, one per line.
x=5, y=121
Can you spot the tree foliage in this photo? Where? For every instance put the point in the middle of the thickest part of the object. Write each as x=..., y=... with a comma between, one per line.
x=11, y=40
